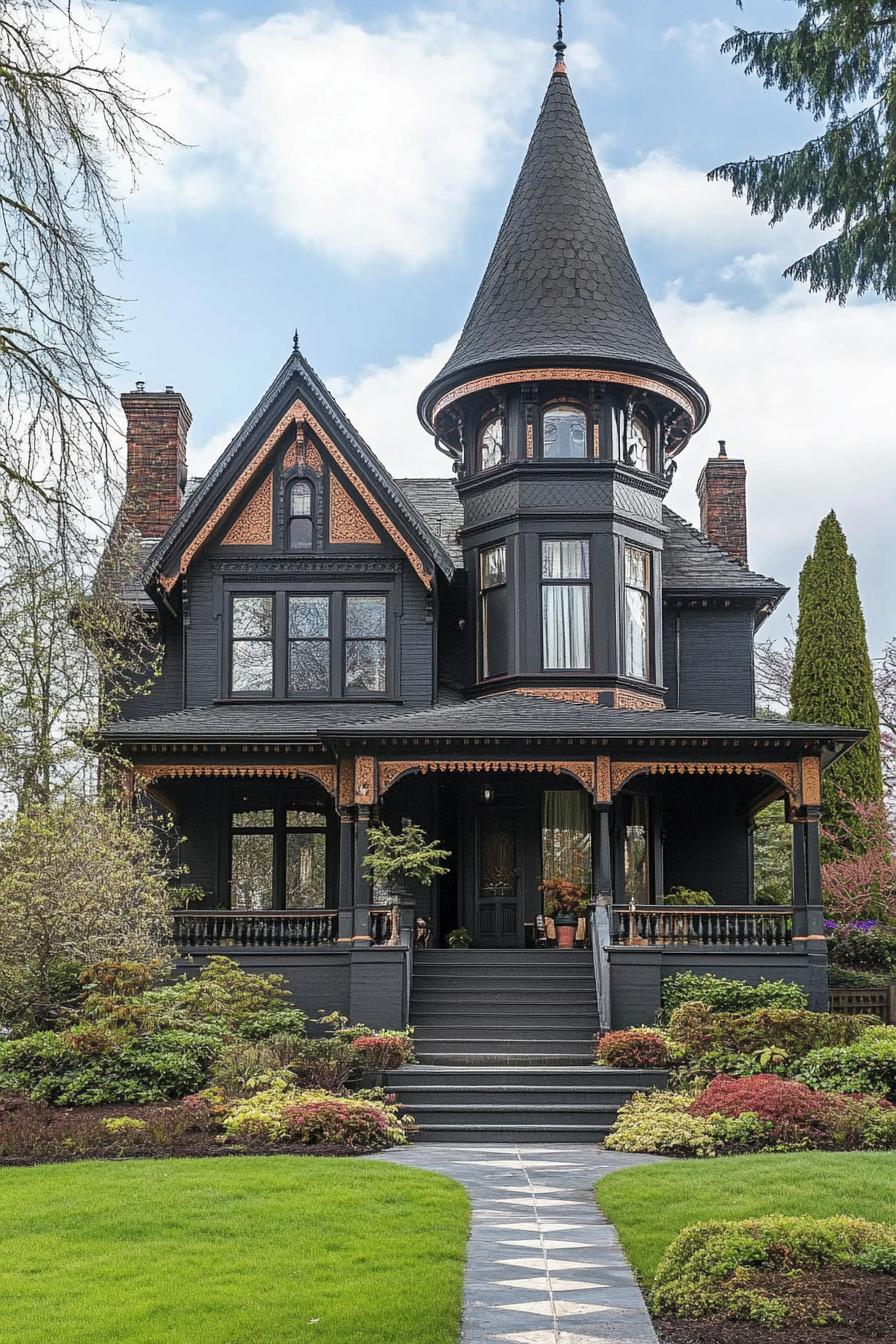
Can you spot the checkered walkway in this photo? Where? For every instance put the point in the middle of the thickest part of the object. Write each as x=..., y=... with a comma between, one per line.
x=543, y=1265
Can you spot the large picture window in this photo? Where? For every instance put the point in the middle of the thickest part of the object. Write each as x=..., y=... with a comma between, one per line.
x=278, y=859
x=493, y=609
x=321, y=645
x=637, y=613
x=565, y=605
x=252, y=647
x=566, y=836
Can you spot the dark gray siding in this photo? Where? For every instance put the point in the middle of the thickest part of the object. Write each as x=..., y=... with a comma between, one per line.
x=708, y=659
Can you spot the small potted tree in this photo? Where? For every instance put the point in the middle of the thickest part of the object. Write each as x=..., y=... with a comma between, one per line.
x=396, y=858
x=565, y=902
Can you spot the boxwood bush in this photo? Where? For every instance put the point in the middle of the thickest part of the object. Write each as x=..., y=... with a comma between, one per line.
x=728, y=996
x=716, y=1268
x=867, y=1065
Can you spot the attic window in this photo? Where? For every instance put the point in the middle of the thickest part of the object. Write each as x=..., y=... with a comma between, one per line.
x=301, y=521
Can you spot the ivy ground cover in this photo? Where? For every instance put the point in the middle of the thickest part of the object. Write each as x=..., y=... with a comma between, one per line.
x=650, y=1205
x=227, y=1250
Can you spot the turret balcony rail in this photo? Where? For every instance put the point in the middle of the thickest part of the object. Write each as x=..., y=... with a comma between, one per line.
x=195, y=929
x=757, y=926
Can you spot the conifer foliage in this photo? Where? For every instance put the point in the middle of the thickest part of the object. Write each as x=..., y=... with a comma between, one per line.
x=832, y=675
x=839, y=63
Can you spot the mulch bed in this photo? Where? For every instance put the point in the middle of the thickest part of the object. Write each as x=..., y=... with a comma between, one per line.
x=866, y=1302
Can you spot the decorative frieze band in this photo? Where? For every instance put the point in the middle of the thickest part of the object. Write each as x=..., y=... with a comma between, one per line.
x=323, y=774
x=786, y=773
x=391, y=771
x=564, y=375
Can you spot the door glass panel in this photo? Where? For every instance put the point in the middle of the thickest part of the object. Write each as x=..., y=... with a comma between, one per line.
x=306, y=869
x=497, y=864
x=252, y=871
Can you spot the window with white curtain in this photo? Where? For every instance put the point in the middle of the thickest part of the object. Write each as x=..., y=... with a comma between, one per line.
x=566, y=836
x=565, y=604
x=637, y=613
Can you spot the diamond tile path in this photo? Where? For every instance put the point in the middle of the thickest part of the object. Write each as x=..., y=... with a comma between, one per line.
x=543, y=1264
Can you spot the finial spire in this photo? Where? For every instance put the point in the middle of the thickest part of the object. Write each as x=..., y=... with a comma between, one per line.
x=560, y=45
x=295, y=341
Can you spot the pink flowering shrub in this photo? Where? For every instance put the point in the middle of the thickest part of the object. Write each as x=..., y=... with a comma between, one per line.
x=386, y=1050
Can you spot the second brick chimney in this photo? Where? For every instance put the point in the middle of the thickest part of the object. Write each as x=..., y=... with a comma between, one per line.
x=157, y=425
x=722, y=493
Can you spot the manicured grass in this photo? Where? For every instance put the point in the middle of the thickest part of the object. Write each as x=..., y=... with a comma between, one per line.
x=240, y=1250
x=650, y=1205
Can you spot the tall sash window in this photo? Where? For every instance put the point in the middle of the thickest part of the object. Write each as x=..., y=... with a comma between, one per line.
x=637, y=613
x=565, y=605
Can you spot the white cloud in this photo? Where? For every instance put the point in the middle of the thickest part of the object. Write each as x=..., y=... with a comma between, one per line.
x=366, y=142
x=202, y=457
x=382, y=403
x=801, y=390
x=701, y=41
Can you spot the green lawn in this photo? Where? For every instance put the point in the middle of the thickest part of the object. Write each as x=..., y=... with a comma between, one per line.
x=240, y=1250
x=651, y=1204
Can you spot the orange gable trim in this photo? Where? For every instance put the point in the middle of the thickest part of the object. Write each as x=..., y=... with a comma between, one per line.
x=297, y=413
x=254, y=526
x=347, y=523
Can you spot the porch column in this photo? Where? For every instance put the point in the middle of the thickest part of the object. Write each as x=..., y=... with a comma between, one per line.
x=808, y=912
x=601, y=910
x=345, y=876
x=361, y=886
x=601, y=857
x=800, y=876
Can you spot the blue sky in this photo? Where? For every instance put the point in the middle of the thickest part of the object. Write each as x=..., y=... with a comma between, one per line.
x=347, y=170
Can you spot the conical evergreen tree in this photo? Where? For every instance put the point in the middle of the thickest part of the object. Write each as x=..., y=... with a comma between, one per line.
x=832, y=677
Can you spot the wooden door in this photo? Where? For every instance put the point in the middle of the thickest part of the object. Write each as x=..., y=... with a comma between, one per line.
x=499, y=905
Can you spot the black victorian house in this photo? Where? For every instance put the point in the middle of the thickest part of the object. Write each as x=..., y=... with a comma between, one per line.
x=537, y=661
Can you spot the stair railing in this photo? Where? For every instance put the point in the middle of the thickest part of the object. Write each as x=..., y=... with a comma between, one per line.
x=600, y=931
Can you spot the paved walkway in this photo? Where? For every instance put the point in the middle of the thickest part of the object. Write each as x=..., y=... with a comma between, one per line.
x=543, y=1264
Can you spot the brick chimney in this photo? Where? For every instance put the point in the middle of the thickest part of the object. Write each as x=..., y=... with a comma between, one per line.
x=157, y=458
x=722, y=493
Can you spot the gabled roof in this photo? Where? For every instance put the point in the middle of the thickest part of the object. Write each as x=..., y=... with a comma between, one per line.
x=694, y=564
x=561, y=283
x=296, y=380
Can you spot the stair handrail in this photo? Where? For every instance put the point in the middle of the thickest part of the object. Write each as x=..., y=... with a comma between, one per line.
x=599, y=926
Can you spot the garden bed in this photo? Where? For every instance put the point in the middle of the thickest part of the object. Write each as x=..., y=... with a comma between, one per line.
x=866, y=1304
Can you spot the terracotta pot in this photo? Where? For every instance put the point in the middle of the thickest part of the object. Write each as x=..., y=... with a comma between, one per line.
x=566, y=932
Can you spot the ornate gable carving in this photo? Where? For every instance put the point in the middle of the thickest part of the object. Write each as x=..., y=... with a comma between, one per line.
x=301, y=453
x=253, y=526
x=347, y=523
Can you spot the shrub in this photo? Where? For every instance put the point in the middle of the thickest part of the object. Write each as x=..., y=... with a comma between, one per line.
x=732, y=996
x=285, y=1115
x=386, y=1050
x=717, y=1268
x=34, y=1131
x=328, y=1063
x=868, y=948
x=796, y=1115
x=661, y=1122
x=794, y=1030
x=868, y=1065
x=846, y=978
x=634, y=1049
x=268, y=1022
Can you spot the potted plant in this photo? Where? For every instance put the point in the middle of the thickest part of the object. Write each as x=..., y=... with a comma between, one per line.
x=396, y=858
x=565, y=902
x=460, y=938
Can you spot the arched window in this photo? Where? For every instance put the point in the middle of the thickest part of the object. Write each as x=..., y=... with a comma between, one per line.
x=300, y=524
x=491, y=444
x=638, y=448
x=564, y=432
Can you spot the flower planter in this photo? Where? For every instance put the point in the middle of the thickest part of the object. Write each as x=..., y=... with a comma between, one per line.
x=565, y=927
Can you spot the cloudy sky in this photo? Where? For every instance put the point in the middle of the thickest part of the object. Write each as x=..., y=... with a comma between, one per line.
x=345, y=168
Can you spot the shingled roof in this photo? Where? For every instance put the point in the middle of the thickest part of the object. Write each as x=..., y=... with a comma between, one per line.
x=561, y=283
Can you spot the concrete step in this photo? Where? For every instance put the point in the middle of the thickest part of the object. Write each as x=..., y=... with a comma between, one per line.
x=430, y=1037
x=497, y=1094
x=501, y=1059
x=584, y=1075
x=512, y=1114
x=522, y=1134
x=473, y=1010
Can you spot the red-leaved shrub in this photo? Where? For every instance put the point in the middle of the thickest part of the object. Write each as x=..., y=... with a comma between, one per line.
x=389, y=1050
x=796, y=1112
x=334, y=1121
x=633, y=1049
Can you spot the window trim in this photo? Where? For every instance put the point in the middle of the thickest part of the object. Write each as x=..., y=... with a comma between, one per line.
x=648, y=623
x=565, y=403
x=280, y=593
x=587, y=584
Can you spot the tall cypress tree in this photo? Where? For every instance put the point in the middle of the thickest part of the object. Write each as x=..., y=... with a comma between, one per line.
x=832, y=677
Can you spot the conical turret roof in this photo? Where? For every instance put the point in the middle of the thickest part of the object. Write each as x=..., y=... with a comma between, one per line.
x=561, y=283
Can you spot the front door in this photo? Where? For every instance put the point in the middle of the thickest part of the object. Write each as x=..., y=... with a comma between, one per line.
x=499, y=897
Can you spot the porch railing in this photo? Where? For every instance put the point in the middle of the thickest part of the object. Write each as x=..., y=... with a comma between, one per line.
x=250, y=928
x=703, y=926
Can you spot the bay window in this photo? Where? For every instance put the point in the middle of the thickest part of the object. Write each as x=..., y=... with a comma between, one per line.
x=565, y=605
x=637, y=613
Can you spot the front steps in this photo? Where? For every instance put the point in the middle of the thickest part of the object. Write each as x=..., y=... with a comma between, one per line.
x=505, y=1043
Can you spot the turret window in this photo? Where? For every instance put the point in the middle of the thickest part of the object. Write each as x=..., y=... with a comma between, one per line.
x=637, y=613
x=491, y=444
x=638, y=443
x=493, y=610
x=301, y=516
x=565, y=605
x=564, y=432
